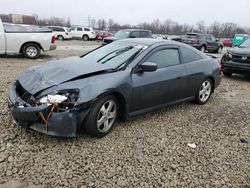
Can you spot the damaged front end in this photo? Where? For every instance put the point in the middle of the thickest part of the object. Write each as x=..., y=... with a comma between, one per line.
x=59, y=113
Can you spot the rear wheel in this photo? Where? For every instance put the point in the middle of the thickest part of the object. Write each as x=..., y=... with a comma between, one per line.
x=204, y=92
x=60, y=37
x=31, y=51
x=85, y=37
x=102, y=116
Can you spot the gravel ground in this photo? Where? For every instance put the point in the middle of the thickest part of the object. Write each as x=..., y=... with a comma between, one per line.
x=147, y=151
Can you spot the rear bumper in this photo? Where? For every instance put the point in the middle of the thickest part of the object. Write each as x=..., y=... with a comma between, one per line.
x=61, y=124
x=236, y=67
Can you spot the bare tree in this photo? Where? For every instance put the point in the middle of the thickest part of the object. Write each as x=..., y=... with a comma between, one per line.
x=200, y=26
x=110, y=23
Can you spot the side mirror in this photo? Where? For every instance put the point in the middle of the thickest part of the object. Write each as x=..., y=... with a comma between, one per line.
x=147, y=67
x=217, y=40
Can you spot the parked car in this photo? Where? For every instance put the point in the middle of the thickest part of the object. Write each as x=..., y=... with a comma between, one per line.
x=239, y=38
x=103, y=34
x=128, y=33
x=227, y=42
x=203, y=42
x=113, y=82
x=84, y=33
x=61, y=33
x=237, y=60
x=24, y=39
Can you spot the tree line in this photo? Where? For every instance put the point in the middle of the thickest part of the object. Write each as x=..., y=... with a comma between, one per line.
x=167, y=27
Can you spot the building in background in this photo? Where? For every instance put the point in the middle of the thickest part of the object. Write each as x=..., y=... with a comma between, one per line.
x=18, y=19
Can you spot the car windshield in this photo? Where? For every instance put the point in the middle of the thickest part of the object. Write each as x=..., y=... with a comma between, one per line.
x=115, y=54
x=122, y=34
x=245, y=44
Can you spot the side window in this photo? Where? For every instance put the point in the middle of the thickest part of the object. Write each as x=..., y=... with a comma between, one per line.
x=144, y=34
x=79, y=29
x=86, y=29
x=165, y=58
x=189, y=55
x=135, y=34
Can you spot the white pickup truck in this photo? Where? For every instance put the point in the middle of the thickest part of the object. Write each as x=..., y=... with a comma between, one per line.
x=27, y=40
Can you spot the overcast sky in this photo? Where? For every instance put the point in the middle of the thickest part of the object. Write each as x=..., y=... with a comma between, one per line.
x=135, y=11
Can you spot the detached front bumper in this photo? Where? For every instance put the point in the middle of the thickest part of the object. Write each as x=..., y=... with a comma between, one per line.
x=62, y=124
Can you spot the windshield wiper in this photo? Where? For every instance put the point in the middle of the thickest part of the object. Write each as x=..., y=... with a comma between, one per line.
x=117, y=53
x=125, y=63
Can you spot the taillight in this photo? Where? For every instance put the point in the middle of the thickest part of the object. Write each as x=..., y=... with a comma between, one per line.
x=53, y=39
x=219, y=67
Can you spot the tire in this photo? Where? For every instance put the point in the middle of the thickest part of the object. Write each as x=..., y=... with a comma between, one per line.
x=100, y=122
x=60, y=37
x=31, y=50
x=226, y=73
x=203, y=49
x=85, y=37
x=219, y=50
x=204, y=92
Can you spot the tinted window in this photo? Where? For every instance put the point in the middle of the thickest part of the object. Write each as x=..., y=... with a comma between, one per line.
x=189, y=55
x=86, y=29
x=165, y=58
x=60, y=29
x=79, y=29
x=135, y=34
x=144, y=34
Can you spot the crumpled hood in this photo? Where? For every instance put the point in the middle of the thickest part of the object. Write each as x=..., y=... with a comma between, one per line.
x=50, y=74
x=240, y=51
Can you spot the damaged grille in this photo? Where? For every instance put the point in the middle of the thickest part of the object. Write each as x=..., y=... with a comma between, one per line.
x=24, y=95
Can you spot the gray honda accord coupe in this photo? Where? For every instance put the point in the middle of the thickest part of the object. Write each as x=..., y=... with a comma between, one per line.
x=125, y=78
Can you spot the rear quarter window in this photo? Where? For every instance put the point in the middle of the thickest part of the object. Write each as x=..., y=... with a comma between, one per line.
x=189, y=55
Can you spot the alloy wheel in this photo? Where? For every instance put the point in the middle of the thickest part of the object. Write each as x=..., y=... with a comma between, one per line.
x=106, y=116
x=205, y=91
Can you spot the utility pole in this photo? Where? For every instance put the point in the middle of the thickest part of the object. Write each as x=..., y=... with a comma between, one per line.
x=89, y=20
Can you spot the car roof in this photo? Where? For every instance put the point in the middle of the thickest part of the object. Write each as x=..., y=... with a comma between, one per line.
x=197, y=34
x=150, y=41
x=136, y=30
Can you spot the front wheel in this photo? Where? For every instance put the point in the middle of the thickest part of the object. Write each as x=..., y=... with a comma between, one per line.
x=203, y=49
x=102, y=116
x=204, y=92
x=31, y=51
x=85, y=37
x=219, y=51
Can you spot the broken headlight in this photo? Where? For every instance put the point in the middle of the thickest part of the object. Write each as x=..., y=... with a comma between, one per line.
x=63, y=99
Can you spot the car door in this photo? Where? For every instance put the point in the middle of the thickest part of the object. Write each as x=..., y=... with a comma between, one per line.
x=79, y=32
x=165, y=85
x=211, y=43
x=2, y=41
